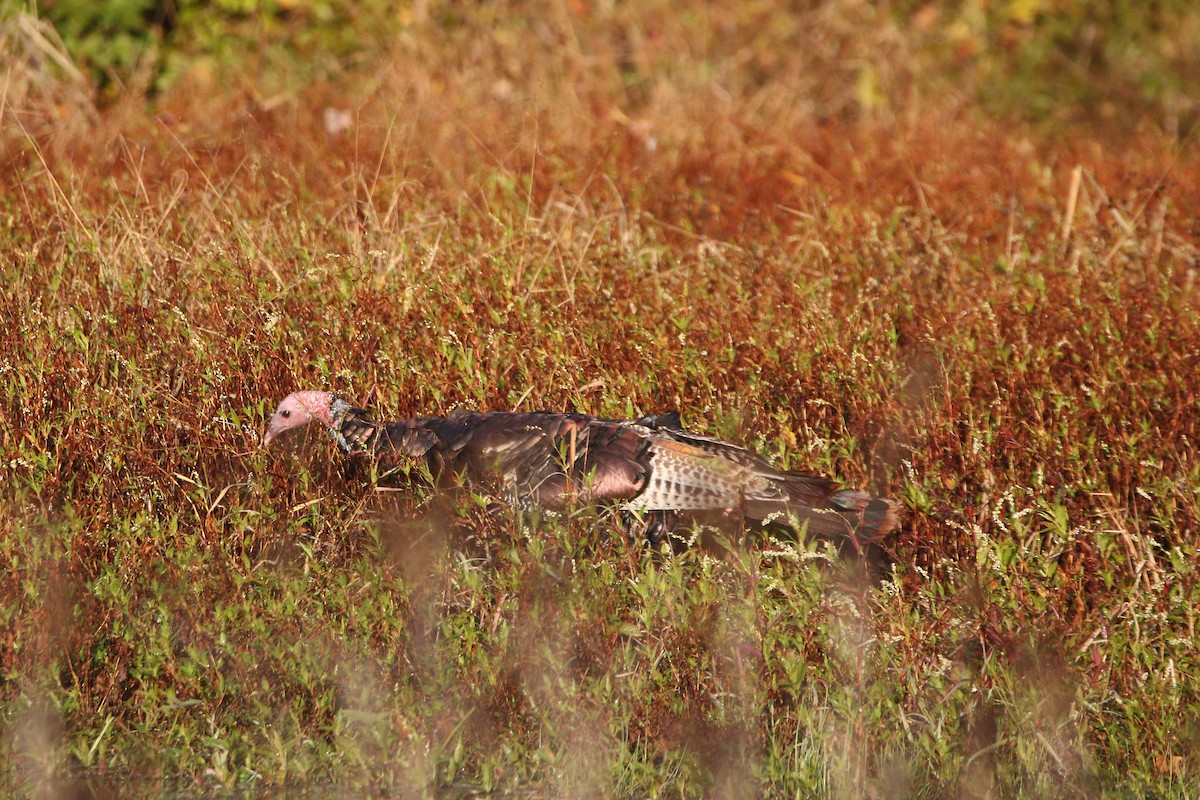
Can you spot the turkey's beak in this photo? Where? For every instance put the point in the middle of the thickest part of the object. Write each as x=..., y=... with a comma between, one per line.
x=268, y=437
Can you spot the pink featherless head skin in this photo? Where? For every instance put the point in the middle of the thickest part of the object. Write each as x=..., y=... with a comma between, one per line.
x=297, y=410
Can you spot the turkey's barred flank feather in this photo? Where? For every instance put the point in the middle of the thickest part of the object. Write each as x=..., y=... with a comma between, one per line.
x=551, y=460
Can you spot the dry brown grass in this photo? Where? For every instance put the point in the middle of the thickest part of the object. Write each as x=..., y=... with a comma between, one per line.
x=616, y=212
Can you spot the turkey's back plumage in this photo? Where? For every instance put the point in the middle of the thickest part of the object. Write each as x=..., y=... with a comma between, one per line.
x=551, y=460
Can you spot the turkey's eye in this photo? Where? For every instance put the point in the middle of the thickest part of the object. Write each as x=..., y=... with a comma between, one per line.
x=285, y=413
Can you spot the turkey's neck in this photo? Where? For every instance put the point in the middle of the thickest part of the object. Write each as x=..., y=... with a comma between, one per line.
x=338, y=410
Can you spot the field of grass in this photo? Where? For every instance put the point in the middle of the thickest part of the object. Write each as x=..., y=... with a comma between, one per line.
x=771, y=221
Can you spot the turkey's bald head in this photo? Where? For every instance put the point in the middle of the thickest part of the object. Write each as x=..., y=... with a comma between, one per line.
x=297, y=410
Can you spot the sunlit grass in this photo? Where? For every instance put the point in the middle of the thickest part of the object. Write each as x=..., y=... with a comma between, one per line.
x=944, y=313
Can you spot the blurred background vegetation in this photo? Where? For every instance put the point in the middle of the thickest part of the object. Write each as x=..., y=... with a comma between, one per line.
x=1116, y=65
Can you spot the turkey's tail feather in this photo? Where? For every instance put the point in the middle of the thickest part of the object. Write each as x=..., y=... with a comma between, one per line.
x=693, y=473
x=847, y=512
x=875, y=516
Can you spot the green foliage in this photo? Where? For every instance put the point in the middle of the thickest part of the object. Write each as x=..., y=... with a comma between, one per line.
x=1069, y=60
x=110, y=36
x=157, y=40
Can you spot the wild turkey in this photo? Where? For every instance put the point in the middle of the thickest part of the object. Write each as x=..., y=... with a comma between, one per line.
x=551, y=460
